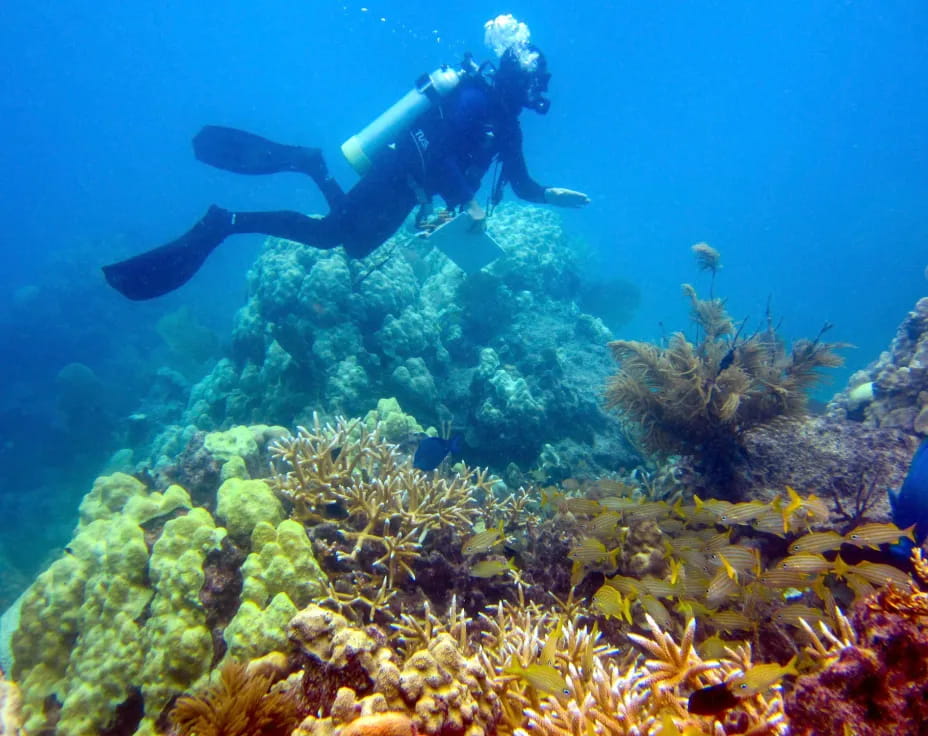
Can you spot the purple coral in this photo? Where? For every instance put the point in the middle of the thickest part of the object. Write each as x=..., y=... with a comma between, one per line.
x=876, y=687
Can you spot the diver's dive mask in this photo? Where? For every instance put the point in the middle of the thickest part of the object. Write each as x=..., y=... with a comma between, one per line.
x=523, y=77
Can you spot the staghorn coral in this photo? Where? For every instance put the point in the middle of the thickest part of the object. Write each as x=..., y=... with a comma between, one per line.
x=386, y=509
x=239, y=704
x=698, y=399
x=650, y=696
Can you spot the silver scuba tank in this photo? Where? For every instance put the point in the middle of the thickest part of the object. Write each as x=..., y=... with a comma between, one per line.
x=361, y=148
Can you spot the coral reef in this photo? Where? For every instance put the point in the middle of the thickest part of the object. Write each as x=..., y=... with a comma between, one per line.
x=847, y=463
x=873, y=676
x=651, y=695
x=892, y=392
x=506, y=353
x=348, y=675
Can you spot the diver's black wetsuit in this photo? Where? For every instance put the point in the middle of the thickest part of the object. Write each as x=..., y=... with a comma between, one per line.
x=446, y=153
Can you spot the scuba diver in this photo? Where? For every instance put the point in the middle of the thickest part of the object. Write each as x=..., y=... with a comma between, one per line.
x=441, y=138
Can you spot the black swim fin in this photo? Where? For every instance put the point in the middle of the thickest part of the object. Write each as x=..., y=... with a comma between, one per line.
x=247, y=153
x=161, y=270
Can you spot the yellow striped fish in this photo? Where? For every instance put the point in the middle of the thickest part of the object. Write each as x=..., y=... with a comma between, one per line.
x=817, y=542
x=659, y=588
x=721, y=588
x=761, y=677
x=657, y=611
x=769, y=522
x=744, y=513
x=873, y=535
x=714, y=506
x=483, y=541
x=790, y=615
x=542, y=677
x=730, y=621
x=736, y=558
x=783, y=578
x=608, y=601
x=585, y=506
x=880, y=574
x=625, y=584
x=605, y=524
x=590, y=551
x=804, y=562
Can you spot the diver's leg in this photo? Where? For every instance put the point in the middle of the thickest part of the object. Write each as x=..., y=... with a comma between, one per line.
x=246, y=153
x=163, y=269
x=360, y=220
x=318, y=232
x=375, y=208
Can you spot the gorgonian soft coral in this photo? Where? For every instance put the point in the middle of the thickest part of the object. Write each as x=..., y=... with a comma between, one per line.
x=698, y=397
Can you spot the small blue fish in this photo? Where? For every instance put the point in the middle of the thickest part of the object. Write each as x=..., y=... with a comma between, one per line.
x=432, y=450
x=910, y=504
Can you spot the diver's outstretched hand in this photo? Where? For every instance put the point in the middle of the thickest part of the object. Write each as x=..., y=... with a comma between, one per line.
x=561, y=197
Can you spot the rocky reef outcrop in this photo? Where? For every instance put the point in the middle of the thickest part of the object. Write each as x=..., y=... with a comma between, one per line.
x=892, y=392
x=505, y=354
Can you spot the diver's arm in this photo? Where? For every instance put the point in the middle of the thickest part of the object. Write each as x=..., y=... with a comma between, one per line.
x=561, y=197
x=515, y=170
x=516, y=173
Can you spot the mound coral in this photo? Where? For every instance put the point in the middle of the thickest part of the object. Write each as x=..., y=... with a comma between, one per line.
x=323, y=332
x=698, y=398
x=149, y=596
x=348, y=675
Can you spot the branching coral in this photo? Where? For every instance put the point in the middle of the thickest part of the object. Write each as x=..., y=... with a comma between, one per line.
x=238, y=705
x=347, y=470
x=650, y=697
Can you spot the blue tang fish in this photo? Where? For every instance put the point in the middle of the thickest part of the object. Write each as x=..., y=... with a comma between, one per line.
x=432, y=450
x=910, y=504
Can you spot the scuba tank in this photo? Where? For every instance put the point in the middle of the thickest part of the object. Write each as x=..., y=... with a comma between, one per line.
x=430, y=88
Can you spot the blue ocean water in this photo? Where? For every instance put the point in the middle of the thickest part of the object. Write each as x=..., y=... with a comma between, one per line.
x=791, y=136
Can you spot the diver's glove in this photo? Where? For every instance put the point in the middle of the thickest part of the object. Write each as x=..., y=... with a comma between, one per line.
x=477, y=214
x=561, y=197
